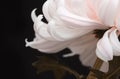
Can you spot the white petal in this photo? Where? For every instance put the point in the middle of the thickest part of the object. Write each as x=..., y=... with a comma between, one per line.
x=56, y=31
x=33, y=15
x=104, y=49
x=49, y=9
x=78, y=21
x=36, y=19
x=85, y=47
x=104, y=67
x=42, y=31
x=107, y=10
x=91, y=13
x=115, y=43
x=47, y=46
x=41, y=27
x=64, y=33
x=77, y=7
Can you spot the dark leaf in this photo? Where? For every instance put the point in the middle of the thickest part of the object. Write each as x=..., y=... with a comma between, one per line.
x=59, y=73
x=98, y=74
x=114, y=70
x=48, y=64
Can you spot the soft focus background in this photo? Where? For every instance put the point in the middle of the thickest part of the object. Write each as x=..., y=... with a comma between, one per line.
x=17, y=25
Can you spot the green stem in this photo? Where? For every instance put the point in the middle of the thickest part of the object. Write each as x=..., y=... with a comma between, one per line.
x=97, y=65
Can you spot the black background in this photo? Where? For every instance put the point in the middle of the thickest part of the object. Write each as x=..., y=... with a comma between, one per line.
x=16, y=25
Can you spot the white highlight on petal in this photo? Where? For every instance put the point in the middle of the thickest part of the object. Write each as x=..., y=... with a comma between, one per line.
x=115, y=42
x=104, y=49
x=49, y=9
x=33, y=15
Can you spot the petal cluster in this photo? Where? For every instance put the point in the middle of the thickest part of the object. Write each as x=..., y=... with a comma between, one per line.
x=71, y=24
x=109, y=45
x=108, y=13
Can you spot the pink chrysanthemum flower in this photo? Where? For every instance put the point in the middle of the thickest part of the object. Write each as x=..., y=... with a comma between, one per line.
x=71, y=24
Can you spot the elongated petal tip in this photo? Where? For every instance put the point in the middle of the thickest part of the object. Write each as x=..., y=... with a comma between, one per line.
x=104, y=67
x=33, y=15
x=69, y=55
x=26, y=42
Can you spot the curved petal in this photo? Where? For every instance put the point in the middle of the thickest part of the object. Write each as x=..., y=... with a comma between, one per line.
x=91, y=13
x=64, y=33
x=106, y=10
x=45, y=11
x=38, y=25
x=105, y=67
x=82, y=46
x=115, y=42
x=78, y=21
x=41, y=28
x=104, y=49
x=47, y=46
x=44, y=41
x=33, y=15
x=49, y=9
x=55, y=31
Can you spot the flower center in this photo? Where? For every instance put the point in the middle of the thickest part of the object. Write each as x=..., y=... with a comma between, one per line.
x=99, y=33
